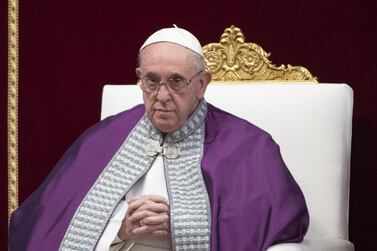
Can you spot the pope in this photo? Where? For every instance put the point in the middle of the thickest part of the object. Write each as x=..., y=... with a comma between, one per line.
x=174, y=173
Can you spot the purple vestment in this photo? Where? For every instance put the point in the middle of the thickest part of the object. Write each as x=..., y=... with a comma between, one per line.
x=255, y=201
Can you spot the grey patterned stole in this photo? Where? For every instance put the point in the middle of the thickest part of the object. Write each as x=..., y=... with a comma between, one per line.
x=182, y=152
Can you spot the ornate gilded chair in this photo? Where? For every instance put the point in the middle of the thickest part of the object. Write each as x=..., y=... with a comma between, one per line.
x=312, y=123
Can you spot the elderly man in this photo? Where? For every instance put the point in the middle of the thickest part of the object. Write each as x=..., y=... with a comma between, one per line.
x=173, y=174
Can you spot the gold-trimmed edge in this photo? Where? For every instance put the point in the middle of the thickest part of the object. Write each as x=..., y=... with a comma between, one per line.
x=12, y=120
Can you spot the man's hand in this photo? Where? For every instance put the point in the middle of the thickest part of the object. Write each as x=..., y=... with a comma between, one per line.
x=146, y=215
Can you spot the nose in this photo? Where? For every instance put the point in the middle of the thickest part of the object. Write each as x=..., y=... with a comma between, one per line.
x=163, y=93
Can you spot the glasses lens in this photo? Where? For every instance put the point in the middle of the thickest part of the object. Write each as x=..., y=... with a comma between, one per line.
x=151, y=85
x=177, y=85
x=174, y=85
x=148, y=85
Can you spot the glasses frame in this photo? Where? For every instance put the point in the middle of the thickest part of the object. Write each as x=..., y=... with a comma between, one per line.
x=166, y=82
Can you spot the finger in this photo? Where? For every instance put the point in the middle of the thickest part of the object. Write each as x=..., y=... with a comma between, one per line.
x=156, y=219
x=160, y=233
x=152, y=197
x=125, y=231
x=146, y=229
x=138, y=216
x=151, y=206
x=134, y=205
x=144, y=200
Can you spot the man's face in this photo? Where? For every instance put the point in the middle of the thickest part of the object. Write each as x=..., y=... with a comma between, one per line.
x=169, y=111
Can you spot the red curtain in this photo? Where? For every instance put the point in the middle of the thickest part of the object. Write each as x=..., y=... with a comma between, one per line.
x=70, y=49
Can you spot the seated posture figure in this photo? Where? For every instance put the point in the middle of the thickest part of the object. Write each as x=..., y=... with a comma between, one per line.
x=175, y=173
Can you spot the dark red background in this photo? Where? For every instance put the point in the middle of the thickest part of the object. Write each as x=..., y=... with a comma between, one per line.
x=70, y=49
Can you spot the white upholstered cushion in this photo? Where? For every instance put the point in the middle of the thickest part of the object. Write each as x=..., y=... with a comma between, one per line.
x=312, y=123
x=315, y=244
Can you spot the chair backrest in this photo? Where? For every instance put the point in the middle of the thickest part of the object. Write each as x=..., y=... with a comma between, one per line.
x=312, y=123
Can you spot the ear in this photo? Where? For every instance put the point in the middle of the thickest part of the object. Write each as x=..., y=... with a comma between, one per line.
x=205, y=78
x=138, y=72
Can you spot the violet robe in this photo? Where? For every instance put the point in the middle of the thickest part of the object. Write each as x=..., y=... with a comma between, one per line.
x=255, y=202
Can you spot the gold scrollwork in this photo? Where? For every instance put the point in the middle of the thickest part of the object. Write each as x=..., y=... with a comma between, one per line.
x=12, y=106
x=234, y=60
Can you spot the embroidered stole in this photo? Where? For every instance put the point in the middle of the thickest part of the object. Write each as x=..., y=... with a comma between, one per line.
x=182, y=152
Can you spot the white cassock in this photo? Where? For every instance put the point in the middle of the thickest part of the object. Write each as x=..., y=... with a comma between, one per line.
x=152, y=183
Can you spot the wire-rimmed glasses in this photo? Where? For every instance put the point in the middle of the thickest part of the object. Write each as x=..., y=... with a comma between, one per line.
x=176, y=84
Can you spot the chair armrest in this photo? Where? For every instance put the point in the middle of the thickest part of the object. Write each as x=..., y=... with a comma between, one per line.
x=315, y=244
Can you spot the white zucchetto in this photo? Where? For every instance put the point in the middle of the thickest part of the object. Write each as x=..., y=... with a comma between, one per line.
x=175, y=35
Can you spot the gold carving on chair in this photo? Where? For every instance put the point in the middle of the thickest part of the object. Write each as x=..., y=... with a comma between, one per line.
x=234, y=60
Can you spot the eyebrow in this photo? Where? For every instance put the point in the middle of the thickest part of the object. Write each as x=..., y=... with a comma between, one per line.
x=176, y=75
x=151, y=75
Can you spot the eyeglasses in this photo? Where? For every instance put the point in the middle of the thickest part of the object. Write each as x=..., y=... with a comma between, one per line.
x=175, y=84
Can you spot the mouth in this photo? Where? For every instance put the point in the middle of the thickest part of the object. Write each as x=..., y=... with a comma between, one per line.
x=163, y=110
x=163, y=113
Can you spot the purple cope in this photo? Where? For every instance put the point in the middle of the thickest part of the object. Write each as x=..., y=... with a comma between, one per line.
x=255, y=202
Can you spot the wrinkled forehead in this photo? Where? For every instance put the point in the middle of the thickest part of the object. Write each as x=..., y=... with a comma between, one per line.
x=167, y=53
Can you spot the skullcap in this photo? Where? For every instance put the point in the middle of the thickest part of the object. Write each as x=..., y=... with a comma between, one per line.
x=175, y=35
